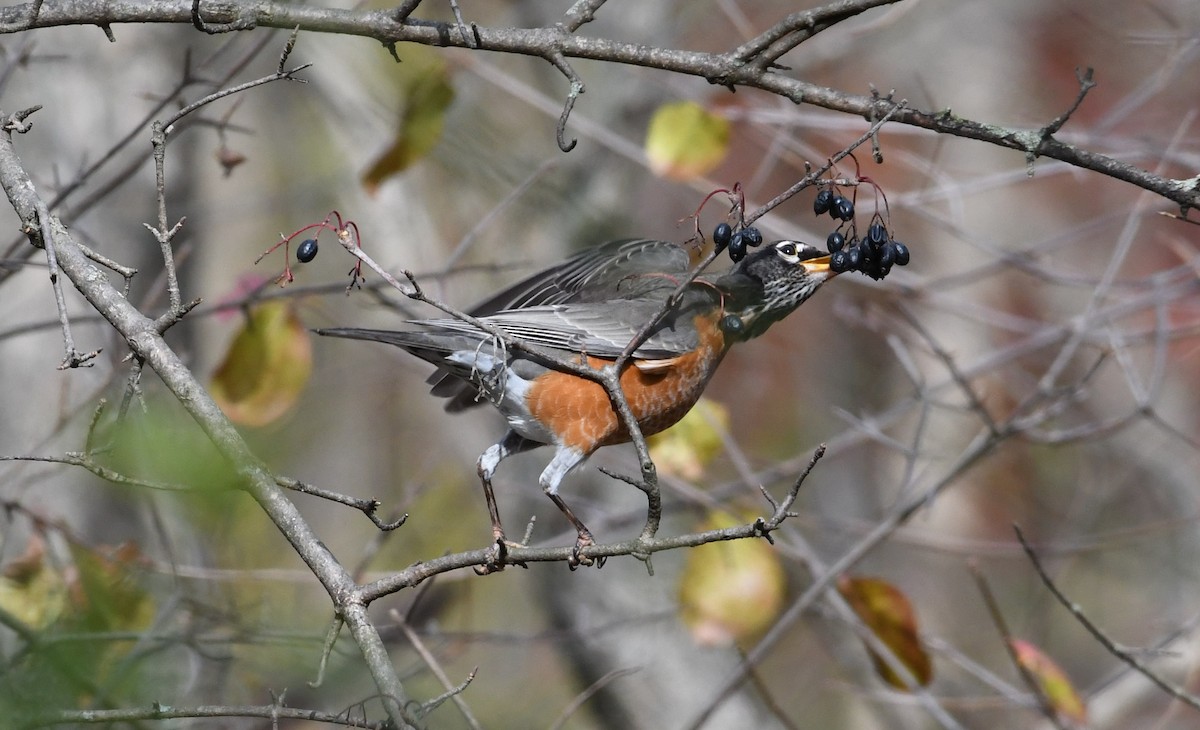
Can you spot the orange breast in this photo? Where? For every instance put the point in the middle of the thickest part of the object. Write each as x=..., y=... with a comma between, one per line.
x=580, y=413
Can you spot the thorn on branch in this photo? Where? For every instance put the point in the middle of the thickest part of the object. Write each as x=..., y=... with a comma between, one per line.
x=16, y=121
x=876, y=151
x=287, y=51
x=108, y=33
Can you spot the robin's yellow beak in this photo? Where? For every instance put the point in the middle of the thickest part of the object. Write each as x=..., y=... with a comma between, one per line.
x=819, y=265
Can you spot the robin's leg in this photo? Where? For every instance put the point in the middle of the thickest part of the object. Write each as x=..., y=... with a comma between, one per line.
x=512, y=443
x=566, y=459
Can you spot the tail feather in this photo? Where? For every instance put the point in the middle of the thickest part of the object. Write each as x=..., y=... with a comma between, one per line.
x=449, y=380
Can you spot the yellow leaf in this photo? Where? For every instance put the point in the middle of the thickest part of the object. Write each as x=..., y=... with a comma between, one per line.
x=685, y=140
x=266, y=368
x=730, y=591
x=1055, y=684
x=687, y=447
x=31, y=589
x=426, y=98
x=889, y=614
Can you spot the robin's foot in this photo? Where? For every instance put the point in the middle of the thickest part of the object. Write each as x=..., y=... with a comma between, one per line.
x=578, y=558
x=497, y=555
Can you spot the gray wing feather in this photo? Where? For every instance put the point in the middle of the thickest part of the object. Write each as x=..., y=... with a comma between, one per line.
x=602, y=330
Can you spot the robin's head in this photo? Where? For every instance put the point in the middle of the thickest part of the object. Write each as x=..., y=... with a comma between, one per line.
x=771, y=282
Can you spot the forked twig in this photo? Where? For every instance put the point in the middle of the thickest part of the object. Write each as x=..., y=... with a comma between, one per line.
x=1175, y=690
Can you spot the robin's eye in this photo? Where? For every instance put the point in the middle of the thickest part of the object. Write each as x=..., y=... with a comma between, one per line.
x=786, y=249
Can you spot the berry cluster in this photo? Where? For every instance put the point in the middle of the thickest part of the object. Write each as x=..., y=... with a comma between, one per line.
x=737, y=242
x=837, y=206
x=874, y=254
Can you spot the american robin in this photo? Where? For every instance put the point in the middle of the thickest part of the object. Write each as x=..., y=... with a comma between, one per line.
x=589, y=307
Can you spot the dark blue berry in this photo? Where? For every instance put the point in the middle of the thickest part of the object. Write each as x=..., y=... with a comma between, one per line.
x=853, y=258
x=877, y=234
x=838, y=262
x=307, y=250
x=732, y=324
x=887, y=256
x=842, y=208
x=721, y=235
x=865, y=254
x=901, y=253
x=823, y=201
x=737, y=247
x=752, y=236
x=835, y=242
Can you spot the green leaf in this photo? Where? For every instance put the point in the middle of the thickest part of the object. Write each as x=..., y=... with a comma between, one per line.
x=427, y=95
x=685, y=140
x=266, y=368
x=686, y=448
x=732, y=590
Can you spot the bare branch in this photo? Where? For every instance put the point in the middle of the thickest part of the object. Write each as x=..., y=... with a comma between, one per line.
x=1119, y=652
x=725, y=69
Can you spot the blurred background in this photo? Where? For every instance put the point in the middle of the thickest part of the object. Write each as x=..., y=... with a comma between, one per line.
x=1034, y=364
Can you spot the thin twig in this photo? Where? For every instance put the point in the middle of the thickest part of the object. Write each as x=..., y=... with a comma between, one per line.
x=582, y=12
x=72, y=358
x=1175, y=690
x=581, y=699
x=454, y=693
x=1086, y=83
x=1039, y=692
x=809, y=179
x=369, y=507
x=559, y=62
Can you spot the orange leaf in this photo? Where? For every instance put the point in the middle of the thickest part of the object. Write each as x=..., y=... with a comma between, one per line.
x=106, y=591
x=685, y=140
x=730, y=591
x=889, y=614
x=266, y=368
x=1054, y=683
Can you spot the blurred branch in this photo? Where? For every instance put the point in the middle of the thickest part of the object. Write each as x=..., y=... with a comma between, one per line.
x=188, y=78
x=993, y=608
x=751, y=65
x=1113, y=648
x=165, y=712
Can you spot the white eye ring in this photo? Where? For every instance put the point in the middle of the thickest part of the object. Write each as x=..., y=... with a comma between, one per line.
x=787, y=251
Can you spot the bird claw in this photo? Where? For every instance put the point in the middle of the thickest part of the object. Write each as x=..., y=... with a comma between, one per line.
x=498, y=559
x=498, y=556
x=577, y=557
